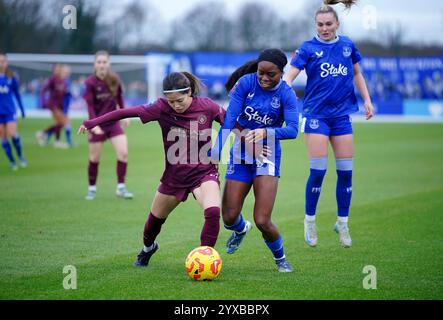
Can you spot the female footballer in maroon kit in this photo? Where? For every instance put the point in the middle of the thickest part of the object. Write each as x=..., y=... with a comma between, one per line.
x=57, y=88
x=186, y=122
x=103, y=94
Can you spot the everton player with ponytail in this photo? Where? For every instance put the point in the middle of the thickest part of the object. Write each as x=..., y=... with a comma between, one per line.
x=184, y=115
x=331, y=64
x=260, y=101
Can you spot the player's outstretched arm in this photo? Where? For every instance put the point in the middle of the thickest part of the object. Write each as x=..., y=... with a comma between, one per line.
x=113, y=116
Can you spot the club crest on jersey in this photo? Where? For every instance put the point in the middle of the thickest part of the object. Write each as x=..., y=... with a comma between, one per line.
x=250, y=95
x=275, y=103
x=347, y=51
x=202, y=119
x=313, y=124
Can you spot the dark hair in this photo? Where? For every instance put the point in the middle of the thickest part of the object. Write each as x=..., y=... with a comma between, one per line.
x=182, y=80
x=276, y=56
x=326, y=8
x=8, y=71
x=111, y=79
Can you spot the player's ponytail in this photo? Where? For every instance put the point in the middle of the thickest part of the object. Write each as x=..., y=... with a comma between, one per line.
x=326, y=8
x=8, y=72
x=248, y=67
x=183, y=82
x=111, y=79
x=347, y=3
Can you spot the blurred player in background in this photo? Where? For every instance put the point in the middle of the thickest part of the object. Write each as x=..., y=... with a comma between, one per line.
x=331, y=64
x=104, y=94
x=9, y=86
x=261, y=101
x=180, y=114
x=66, y=73
x=52, y=97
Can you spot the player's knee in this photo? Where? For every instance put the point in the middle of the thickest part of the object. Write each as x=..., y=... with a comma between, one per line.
x=263, y=223
x=122, y=156
x=230, y=215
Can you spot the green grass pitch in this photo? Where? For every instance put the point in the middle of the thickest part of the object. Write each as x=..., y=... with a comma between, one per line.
x=396, y=223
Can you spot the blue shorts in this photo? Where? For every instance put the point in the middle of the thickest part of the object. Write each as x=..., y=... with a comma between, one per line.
x=248, y=172
x=339, y=126
x=5, y=118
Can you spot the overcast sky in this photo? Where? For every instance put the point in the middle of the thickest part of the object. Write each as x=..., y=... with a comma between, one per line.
x=422, y=20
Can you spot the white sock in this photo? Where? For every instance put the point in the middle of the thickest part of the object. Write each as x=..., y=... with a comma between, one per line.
x=310, y=218
x=92, y=188
x=342, y=219
x=120, y=185
x=147, y=249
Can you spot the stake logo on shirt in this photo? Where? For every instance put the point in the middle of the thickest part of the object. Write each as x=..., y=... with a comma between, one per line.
x=254, y=115
x=331, y=69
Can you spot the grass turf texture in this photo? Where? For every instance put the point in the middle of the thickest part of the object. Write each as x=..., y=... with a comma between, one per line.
x=396, y=224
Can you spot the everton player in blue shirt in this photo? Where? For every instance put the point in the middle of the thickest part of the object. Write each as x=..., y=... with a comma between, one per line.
x=260, y=101
x=8, y=123
x=331, y=64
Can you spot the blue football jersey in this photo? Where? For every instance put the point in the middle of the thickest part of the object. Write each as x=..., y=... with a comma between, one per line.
x=253, y=108
x=9, y=87
x=330, y=70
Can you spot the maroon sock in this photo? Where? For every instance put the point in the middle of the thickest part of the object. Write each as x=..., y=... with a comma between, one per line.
x=152, y=228
x=92, y=173
x=121, y=171
x=49, y=130
x=57, y=130
x=211, y=227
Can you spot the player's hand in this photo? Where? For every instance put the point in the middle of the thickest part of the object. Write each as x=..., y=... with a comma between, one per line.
x=82, y=129
x=255, y=135
x=124, y=123
x=97, y=130
x=370, y=111
x=258, y=150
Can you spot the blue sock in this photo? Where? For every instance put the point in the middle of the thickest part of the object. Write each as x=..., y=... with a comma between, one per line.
x=68, y=135
x=313, y=186
x=8, y=150
x=344, y=186
x=18, y=146
x=277, y=248
x=238, y=226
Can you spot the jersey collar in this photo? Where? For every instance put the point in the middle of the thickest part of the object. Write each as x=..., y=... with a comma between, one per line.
x=327, y=42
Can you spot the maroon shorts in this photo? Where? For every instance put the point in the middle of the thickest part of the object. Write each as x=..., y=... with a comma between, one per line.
x=110, y=132
x=182, y=193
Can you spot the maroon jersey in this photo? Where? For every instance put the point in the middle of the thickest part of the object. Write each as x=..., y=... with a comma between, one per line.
x=57, y=88
x=186, y=136
x=190, y=128
x=99, y=98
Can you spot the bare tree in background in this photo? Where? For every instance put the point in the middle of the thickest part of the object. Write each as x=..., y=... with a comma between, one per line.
x=205, y=27
x=257, y=27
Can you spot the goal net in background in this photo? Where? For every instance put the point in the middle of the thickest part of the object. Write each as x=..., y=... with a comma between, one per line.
x=141, y=77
